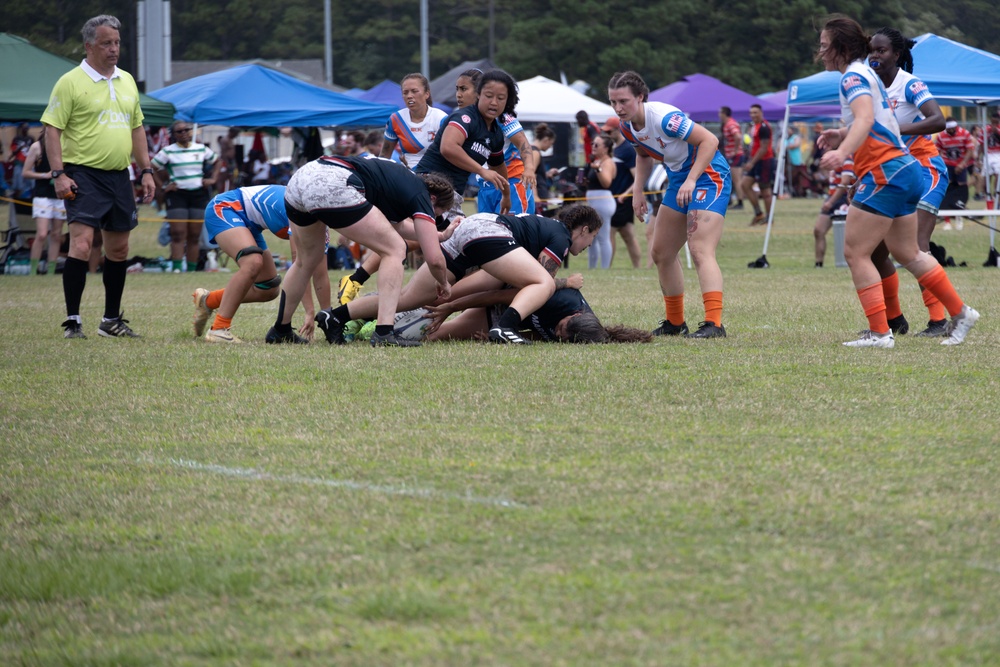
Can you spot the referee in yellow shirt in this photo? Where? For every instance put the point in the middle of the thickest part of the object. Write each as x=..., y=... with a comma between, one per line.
x=94, y=126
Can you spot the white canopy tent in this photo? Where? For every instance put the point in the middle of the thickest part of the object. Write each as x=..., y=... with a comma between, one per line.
x=543, y=100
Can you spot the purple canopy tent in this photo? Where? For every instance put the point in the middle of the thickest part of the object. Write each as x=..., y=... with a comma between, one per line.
x=805, y=111
x=700, y=96
x=388, y=92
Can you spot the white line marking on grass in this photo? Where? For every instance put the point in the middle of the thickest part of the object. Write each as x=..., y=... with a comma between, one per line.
x=258, y=475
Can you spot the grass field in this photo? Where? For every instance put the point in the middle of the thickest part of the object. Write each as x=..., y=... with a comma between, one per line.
x=768, y=499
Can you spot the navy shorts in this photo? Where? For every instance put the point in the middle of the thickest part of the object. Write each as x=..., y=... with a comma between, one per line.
x=104, y=199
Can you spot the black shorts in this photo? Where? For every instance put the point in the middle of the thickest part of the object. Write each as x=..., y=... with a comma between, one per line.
x=104, y=199
x=477, y=253
x=188, y=200
x=334, y=218
x=763, y=172
x=623, y=214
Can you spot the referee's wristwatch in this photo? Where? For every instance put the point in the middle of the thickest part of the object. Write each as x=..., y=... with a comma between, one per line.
x=145, y=171
x=56, y=173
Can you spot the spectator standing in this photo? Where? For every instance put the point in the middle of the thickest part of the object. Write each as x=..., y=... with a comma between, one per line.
x=759, y=168
x=19, y=148
x=732, y=150
x=621, y=187
x=588, y=132
x=48, y=210
x=545, y=138
x=958, y=150
x=181, y=168
x=991, y=176
x=94, y=125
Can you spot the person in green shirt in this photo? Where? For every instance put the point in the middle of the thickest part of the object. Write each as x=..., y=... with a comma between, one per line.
x=94, y=126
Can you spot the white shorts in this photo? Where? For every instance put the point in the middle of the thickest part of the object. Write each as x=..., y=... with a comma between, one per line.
x=993, y=163
x=49, y=209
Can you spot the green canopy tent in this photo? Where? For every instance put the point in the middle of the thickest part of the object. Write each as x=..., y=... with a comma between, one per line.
x=28, y=75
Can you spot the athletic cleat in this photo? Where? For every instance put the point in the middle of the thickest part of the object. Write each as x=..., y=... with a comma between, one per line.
x=708, y=330
x=668, y=329
x=507, y=337
x=871, y=339
x=758, y=219
x=348, y=290
x=274, y=337
x=392, y=340
x=116, y=328
x=221, y=336
x=73, y=329
x=935, y=329
x=960, y=326
x=899, y=326
x=201, y=311
x=332, y=329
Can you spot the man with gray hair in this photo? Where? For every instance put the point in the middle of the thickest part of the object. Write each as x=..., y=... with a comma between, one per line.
x=94, y=126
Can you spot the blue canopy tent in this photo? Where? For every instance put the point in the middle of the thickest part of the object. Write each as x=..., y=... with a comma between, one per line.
x=957, y=75
x=388, y=92
x=700, y=96
x=257, y=96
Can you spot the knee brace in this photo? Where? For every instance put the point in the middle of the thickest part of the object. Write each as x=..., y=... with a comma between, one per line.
x=249, y=250
x=268, y=284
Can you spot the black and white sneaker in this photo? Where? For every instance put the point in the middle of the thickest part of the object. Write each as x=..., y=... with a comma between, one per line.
x=116, y=328
x=899, y=326
x=392, y=340
x=935, y=329
x=73, y=329
x=332, y=329
x=275, y=337
x=708, y=330
x=507, y=337
x=668, y=329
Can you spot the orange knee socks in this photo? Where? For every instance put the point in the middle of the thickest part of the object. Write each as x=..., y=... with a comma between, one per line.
x=713, y=307
x=934, y=308
x=675, y=309
x=214, y=299
x=890, y=290
x=873, y=303
x=937, y=283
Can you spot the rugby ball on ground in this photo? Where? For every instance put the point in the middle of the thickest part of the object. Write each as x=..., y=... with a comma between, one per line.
x=411, y=324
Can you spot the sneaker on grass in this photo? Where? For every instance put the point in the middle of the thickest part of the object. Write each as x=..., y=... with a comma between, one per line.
x=507, y=337
x=708, y=330
x=221, y=336
x=869, y=338
x=116, y=328
x=668, y=329
x=392, y=340
x=332, y=329
x=73, y=329
x=201, y=311
x=899, y=326
x=275, y=337
x=935, y=329
x=960, y=326
x=348, y=290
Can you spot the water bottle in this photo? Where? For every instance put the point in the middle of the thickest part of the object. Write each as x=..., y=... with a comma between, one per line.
x=212, y=262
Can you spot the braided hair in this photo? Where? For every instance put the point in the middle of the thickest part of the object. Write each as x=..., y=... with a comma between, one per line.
x=901, y=45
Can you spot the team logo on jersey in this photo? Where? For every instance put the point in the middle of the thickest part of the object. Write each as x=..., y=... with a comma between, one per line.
x=700, y=195
x=674, y=123
x=860, y=189
x=851, y=81
x=918, y=87
x=466, y=119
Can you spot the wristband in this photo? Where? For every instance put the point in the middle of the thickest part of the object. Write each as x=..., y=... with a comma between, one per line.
x=145, y=171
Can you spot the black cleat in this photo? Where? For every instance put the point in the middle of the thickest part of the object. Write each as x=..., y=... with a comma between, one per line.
x=899, y=326
x=507, y=337
x=708, y=330
x=935, y=329
x=668, y=329
x=116, y=328
x=73, y=329
x=332, y=329
x=275, y=337
x=392, y=340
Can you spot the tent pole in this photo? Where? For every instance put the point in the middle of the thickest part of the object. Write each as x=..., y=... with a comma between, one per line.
x=780, y=177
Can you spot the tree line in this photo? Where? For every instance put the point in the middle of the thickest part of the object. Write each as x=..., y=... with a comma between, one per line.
x=756, y=45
